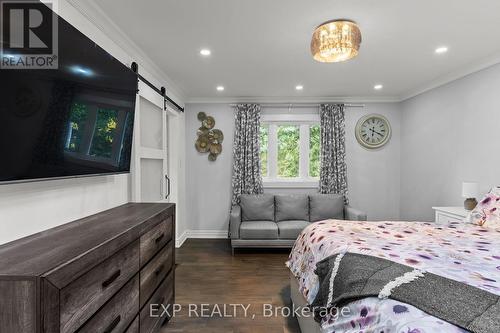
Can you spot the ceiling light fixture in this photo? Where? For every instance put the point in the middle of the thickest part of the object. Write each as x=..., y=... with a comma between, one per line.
x=205, y=52
x=441, y=50
x=336, y=41
x=378, y=86
x=220, y=88
x=299, y=87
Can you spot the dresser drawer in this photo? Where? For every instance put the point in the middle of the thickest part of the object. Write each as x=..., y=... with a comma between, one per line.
x=155, y=271
x=83, y=297
x=134, y=327
x=118, y=313
x=163, y=295
x=446, y=218
x=155, y=239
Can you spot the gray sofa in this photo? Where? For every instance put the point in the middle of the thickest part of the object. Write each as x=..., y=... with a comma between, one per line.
x=268, y=220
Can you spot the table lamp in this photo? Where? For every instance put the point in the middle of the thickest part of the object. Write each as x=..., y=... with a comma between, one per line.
x=470, y=191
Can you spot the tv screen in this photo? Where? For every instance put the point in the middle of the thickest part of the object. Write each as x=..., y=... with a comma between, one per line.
x=76, y=120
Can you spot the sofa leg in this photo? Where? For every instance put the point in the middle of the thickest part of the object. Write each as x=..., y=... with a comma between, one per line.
x=232, y=250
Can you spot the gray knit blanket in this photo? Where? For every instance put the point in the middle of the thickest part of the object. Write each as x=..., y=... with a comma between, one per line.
x=348, y=277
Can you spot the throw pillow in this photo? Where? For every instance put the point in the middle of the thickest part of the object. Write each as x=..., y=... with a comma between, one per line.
x=487, y=211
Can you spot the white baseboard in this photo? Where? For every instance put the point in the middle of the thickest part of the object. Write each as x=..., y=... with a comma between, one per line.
x=200, y=234
x=181, y=239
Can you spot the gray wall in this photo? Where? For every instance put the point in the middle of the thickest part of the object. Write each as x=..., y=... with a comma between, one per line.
x=449, y=135
x=374, y=176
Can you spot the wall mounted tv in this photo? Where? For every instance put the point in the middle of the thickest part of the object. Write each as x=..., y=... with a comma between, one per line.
x=76, y=120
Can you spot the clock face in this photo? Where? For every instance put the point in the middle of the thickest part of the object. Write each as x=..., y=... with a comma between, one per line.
x=373, y=131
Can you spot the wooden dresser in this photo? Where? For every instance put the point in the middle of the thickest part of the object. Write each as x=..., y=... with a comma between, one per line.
x=97, y=274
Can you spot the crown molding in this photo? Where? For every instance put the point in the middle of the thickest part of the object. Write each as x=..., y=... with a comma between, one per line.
x=454, y=76
x=94, y=13
x=293, y=99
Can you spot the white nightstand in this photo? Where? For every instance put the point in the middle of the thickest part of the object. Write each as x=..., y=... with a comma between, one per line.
x=444, y=215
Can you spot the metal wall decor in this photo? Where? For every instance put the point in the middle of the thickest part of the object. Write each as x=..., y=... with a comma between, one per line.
x=209, y=138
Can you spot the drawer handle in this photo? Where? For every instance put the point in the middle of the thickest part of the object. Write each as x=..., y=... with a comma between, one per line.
x=159, y=269
x=113, y=324
x=165, y=321
x=159, y=238
x=111, y=279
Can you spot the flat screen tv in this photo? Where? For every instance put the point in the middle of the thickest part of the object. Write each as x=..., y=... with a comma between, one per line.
x=76, y=120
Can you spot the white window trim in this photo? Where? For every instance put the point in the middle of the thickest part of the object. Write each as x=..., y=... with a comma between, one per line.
x=304, y=122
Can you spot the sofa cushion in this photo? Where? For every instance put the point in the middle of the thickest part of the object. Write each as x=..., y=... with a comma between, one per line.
x=292, y=207
x=291, y=229
x=326, y=206
x=258, y=230
x=258, y=207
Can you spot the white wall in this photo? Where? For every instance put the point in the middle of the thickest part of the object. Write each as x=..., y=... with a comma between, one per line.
x=32, y=207
x=374, y=176
x=208, y=184
x=449, y=135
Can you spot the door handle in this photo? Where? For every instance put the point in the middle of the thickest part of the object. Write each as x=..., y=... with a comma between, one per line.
x=168, y=186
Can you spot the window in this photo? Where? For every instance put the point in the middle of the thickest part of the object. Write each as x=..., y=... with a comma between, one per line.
x=290, y=151
x=264, y=137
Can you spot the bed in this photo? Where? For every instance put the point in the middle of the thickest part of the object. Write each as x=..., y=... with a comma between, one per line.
x=461, y=252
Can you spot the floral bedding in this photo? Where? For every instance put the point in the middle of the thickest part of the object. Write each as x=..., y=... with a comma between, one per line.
x=464, y=252
x=487, y=211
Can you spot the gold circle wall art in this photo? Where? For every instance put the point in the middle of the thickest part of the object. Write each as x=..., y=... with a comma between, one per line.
x=209, y=138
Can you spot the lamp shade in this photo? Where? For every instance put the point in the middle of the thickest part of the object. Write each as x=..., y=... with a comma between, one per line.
x=470, y=189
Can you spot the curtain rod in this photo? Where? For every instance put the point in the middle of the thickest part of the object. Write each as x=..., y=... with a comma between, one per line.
x=299, y=105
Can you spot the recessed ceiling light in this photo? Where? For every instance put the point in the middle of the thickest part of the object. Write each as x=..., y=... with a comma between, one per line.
x=205, y=52
x=441, y=50
x=220, y=88
x=378, y=86
x=299, y=87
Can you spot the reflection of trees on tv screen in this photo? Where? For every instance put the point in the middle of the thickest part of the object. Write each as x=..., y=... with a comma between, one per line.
x=96, y=132
x=104, y=133
x=78, y=119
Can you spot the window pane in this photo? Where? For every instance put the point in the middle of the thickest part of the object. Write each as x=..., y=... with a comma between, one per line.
x=104, y=132
x=264, y=140
x=314, y=150
x=77, y=122
x=288, y=151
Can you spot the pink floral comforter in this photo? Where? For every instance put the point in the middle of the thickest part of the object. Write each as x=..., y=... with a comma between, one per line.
x=464, y=252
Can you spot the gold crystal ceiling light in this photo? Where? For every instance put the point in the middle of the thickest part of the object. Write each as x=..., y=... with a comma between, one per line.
x=336, y=41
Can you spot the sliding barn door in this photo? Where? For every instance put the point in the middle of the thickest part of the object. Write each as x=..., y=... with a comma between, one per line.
x=150, y=168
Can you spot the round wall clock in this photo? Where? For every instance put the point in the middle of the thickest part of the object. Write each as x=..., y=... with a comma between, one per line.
x=373, y=131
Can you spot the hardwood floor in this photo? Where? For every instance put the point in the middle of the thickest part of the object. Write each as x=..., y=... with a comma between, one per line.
x=208, y=273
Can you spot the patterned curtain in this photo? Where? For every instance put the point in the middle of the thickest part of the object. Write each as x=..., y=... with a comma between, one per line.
x=247, y=178
x=333, y=172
